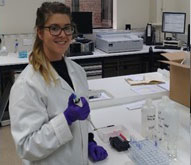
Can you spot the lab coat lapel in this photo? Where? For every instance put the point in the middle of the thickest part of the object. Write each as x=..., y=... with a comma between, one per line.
x=75, y=77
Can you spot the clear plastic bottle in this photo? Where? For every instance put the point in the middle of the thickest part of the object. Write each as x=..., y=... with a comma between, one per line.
x=160, y=125
x=171, y=129
x=22, y=52
x=148, y=112
x=3, y=50
x=144, y=119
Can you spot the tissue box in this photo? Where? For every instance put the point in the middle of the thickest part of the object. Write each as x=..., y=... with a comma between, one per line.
x=179, y=77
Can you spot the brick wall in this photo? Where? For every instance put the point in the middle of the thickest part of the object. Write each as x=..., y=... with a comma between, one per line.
x=68, y=3
x=91, y=6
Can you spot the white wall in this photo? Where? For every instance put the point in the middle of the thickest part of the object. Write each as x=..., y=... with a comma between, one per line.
x=158, y=6
x=18, y=16
x=134, y=12
x=184, y=7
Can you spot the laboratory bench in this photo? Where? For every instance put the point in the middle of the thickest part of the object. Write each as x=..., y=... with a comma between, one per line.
x=131, y=120
x=114, y=111
x=98, y=65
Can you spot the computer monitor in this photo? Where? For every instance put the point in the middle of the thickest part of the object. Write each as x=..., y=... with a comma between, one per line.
x=83, y=22
x=173, y=22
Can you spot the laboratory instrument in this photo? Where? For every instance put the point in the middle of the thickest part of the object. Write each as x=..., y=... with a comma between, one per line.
x=150, y=35
x=83, y=24
x=92, y=124
x=113, y=42
x=74, y=112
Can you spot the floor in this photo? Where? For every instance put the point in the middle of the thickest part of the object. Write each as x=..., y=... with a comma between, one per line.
x=8, y=154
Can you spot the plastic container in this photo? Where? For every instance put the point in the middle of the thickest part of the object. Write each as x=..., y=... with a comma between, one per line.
x=148, y=113
x=160, y=125
x=22, y=52
x=105, y=133
x=145, y=152
x=3, y=49
x=171, y=129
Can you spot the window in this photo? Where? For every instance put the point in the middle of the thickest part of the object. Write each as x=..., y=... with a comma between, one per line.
x=102, y=10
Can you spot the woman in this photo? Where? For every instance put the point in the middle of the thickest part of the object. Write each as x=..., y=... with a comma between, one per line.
x=47, y=126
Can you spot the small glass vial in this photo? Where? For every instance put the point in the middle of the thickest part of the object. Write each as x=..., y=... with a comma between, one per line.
x=16, y=46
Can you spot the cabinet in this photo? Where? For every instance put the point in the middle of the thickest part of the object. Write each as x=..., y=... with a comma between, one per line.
x=121, y=65
x=124, y=65
x=93, y=67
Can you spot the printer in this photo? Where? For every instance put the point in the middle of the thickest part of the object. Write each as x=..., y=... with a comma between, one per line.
x=113, y=42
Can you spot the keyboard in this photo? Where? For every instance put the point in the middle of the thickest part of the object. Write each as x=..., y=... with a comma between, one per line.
x=167, y=47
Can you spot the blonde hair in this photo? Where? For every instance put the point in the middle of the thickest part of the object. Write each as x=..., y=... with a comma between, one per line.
x=38, y=58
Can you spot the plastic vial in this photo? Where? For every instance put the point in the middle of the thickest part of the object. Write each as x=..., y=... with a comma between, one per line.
x=148, y=112
x=171, y=129
x=16, y=46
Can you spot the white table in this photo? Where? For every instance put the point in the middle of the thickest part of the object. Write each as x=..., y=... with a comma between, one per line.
x=121, y=91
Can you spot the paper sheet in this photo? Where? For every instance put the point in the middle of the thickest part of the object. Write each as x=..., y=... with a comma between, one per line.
x=147, y=89
x=165, y=86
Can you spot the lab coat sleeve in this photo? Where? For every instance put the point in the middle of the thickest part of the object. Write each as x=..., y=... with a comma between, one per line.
x=35, y=135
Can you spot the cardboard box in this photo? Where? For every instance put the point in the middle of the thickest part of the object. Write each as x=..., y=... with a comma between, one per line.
x=179, y=77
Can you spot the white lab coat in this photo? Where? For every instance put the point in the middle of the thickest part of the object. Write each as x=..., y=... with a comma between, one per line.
x=39, y=128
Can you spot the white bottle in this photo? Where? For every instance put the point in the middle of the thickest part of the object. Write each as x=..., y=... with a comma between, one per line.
x=171, y=129
x=149, y=120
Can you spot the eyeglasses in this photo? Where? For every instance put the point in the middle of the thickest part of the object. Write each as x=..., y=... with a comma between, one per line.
x=56, y=30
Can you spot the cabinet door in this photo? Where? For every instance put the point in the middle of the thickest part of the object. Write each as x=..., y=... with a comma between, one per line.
x=110, y=67
x=154, y=62
x=132, y=65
